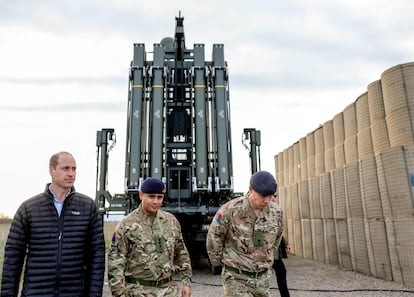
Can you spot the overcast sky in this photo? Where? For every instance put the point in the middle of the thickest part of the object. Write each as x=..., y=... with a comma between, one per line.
x=293, y=65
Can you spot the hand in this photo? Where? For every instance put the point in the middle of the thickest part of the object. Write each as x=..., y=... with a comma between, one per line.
x=289, y=249
x=185, y=291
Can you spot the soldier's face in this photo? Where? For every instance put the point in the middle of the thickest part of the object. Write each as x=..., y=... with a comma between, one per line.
x=150, y=203
x=258, y=201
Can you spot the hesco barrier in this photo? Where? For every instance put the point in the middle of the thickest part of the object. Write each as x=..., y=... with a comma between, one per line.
x=347, y=187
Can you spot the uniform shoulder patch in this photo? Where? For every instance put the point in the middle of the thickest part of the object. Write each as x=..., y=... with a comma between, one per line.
x=113, y=237
x=218, y=217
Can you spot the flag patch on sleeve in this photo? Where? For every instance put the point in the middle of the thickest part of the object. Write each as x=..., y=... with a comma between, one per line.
x=218, y=217
x=113, y=237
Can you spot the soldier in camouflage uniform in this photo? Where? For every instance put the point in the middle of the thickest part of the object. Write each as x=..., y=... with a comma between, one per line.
x=147, y=248
x=243, y=237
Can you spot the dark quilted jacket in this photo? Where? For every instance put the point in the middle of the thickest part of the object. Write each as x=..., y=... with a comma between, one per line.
x=65, y=255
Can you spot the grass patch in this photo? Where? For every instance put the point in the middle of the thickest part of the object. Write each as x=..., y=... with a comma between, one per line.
x=4, y=232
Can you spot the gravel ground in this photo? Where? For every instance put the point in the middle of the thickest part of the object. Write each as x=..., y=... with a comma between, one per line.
x=307, y=278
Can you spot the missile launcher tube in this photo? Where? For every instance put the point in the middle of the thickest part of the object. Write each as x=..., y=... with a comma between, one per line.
x=157, y=113
x=134, y=126
x=222, y=118
x=200, y=115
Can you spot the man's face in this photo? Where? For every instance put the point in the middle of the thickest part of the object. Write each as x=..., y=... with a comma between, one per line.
x=257, y=201
x=150, y=203
x=64, y=175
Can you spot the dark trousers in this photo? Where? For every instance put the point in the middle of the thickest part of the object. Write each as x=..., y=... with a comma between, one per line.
x=280, y=271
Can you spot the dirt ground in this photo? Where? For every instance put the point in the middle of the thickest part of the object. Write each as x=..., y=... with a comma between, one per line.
x=306, y=278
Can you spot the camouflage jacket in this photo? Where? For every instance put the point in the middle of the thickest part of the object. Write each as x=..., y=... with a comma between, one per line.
x=238, y=238
x=147, y=248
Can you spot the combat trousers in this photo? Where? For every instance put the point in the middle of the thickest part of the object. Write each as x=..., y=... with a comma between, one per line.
x=136, y=290
x=238, y=285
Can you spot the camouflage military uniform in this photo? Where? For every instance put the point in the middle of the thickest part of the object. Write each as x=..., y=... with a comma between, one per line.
x=145, y=250
x=244, y=245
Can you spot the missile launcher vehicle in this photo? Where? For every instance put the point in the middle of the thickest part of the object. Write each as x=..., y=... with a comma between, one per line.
x=178, y=129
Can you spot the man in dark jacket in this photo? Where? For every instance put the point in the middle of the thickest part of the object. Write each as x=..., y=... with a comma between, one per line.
x=58, y=235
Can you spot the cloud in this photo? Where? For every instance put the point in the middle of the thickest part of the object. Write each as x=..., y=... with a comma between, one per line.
x=68, y=107
x=81, y=80
x=292, y=66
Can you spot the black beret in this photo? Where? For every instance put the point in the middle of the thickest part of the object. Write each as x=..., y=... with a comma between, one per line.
x=263, y=183
x=153, y=185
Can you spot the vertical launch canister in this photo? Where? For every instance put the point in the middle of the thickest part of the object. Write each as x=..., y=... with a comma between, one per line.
x=200, y=106
x=157, y=113
x=222, y=118
x=134, y=123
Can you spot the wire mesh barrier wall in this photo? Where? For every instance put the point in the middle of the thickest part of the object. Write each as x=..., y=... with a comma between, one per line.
x=347, y=187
